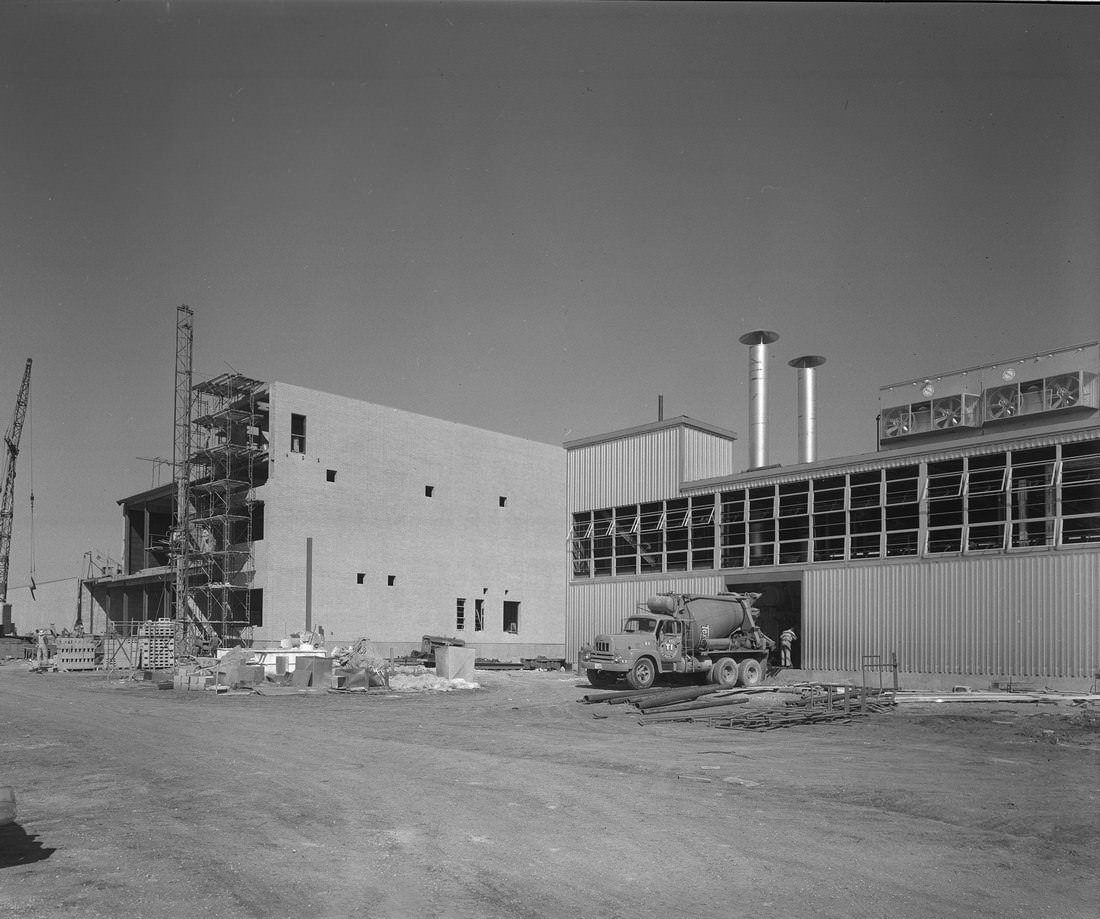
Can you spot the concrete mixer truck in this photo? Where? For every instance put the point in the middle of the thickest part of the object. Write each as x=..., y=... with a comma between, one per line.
x=713, y=635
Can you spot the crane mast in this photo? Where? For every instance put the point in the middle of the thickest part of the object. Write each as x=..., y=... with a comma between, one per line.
x=7, y=500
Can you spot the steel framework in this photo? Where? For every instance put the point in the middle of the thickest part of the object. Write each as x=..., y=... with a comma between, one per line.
x=226, y=464
x=7, y=499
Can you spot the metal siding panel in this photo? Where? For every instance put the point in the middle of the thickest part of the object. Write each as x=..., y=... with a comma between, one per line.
x=1027, y=616
x=641, y=468
x=706, y=456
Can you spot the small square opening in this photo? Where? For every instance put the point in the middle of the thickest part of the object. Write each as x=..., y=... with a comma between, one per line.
x=361, y=577
x=391, y=579
x=428, y=489
x=503, y=500
x=330, y=475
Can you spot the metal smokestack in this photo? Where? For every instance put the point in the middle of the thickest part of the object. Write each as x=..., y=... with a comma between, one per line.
x=807, y=406
x=758, y=394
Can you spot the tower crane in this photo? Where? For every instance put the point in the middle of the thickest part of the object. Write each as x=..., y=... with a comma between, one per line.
x=7, y=499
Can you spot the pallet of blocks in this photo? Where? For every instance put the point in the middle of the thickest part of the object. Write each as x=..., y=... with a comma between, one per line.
x=75, y=653
x=158, y=644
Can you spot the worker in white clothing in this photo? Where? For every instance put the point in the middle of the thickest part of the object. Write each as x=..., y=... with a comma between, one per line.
x=786, y=637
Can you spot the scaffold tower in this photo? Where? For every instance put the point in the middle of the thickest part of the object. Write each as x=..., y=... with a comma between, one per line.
x=228, y=461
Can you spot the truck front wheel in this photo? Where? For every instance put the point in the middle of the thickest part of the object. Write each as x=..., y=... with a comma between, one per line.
x=724, y=672
x=642, y=674
x=752, y=673
x=600, y=678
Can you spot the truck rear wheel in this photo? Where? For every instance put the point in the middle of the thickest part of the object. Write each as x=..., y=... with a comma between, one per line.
x=643, y=674
x=751, y=672
x=724, y=672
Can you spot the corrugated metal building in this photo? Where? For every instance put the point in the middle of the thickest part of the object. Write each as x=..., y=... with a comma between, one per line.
x=969, y=544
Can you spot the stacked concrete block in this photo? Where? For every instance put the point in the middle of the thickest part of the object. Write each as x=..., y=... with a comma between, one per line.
x=75, y=654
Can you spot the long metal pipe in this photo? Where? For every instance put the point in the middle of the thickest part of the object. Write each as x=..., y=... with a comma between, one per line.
x=807, y=406
x=758, y=394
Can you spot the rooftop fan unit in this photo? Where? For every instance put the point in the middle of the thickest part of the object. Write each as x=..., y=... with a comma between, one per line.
x=954, y=412
x=1063, y=391
x=896, y=422
x=947, y=413
x=1002, y=402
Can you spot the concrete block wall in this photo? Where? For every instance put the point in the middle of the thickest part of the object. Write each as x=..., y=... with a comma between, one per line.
x=388, y=561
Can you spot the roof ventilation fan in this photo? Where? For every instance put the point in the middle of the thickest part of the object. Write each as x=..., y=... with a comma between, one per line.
x=895, y=422
x=947, y=412
x=1003, y=402
x=1063, y=391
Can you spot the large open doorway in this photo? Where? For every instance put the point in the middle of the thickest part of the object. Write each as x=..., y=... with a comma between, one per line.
x=780, y=606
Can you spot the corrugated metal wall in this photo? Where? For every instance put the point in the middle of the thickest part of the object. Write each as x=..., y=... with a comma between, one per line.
x=706, y=456
x=602, y=606
x=645, y=467
x=1025, y=615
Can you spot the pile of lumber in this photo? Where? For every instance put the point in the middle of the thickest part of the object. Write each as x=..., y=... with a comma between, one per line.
x=965, y=694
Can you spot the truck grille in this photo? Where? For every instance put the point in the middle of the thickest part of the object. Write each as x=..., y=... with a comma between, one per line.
x=603, y=647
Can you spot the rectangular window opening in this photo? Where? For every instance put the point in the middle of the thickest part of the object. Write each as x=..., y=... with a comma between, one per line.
x=460, y=613
x=256, y=511
x=429, y=490
x=330, y=475
x=361, y=578
x=297, y=433
x=391, y=580
x=511, y=617
x=479, y=615
x=503, y=500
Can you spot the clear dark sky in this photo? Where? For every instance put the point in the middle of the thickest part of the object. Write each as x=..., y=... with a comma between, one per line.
x=529, y=217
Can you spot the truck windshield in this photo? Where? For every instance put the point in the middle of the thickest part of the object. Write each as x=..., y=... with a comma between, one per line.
x=639, y=625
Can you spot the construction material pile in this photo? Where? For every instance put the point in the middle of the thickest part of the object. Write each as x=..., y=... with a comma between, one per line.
x=808, y=703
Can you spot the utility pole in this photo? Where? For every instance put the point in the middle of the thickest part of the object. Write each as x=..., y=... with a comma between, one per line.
x=181, y=454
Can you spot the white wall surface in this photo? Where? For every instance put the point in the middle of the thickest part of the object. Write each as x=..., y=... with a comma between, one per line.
x=375, y=519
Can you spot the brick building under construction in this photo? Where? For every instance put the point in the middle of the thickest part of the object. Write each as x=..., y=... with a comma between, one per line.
x=306, y=510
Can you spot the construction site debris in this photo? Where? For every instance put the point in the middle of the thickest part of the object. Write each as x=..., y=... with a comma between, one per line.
x=359, y=666
x=544, y=663
x=306, y=640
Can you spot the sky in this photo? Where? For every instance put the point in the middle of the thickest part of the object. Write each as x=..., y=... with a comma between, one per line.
x=530, y=217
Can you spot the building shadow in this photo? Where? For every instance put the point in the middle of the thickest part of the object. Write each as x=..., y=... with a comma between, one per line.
x=18, y=847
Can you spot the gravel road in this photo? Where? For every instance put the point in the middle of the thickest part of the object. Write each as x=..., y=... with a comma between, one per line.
x=515, y=800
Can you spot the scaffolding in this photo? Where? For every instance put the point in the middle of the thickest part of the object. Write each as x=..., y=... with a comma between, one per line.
x=227, y=461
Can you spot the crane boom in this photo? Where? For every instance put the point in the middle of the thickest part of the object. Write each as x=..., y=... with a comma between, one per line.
x=7, y=500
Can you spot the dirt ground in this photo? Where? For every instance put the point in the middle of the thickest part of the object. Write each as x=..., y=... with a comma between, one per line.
x=515, y=800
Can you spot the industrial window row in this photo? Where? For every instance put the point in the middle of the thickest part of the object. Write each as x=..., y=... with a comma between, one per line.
x=1022, y=499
